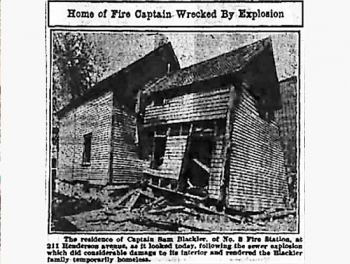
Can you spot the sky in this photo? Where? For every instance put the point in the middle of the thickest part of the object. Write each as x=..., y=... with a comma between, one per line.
x=193, y=48
x=190, y=48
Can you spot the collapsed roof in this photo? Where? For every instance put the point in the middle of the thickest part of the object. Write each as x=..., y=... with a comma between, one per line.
x=253, y=65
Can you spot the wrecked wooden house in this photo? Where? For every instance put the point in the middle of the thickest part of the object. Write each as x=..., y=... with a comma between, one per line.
x=208, y=130
x=97, y=131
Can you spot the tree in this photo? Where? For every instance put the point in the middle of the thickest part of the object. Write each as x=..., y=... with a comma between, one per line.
x=78, y=63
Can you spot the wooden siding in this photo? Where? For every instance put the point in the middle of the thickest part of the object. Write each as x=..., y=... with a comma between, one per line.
x=94, y=117
x=127, y=168
x=257, y=175
x=189, y=107
x=173, y=158
x=215, y=168
x=174, y=155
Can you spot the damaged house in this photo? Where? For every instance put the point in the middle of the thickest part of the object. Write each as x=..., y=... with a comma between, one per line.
x=208, y=130
x=97, y=131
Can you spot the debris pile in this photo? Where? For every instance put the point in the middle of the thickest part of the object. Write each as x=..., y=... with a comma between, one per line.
x=144, y=208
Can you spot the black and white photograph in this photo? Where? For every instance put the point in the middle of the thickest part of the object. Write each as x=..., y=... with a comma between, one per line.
x=174, y=132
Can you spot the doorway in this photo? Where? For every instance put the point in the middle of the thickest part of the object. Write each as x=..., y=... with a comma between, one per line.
x=197, y=163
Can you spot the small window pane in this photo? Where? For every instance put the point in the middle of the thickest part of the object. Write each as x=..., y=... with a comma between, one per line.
x=87, y=148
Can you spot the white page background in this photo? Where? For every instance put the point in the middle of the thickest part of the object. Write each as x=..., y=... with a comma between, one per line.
x=23, y=101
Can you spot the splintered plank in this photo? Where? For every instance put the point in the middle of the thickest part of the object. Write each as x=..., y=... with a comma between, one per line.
x=147, y=194
x=157, y=201
x=116, y=187
x=202, y=166
x=130, y=204
x=186, y=195
x=158, y=224
x=123, y=198
x=121, y=216
x=272, y=215
x=167, y=209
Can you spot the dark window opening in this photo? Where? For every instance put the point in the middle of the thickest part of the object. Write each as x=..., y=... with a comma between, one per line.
x=185, y=129
x=161, y=130
x=145, y=145
x=197, y=163
x=159, y=100
x=175, y=130
x=201, y=150
x=158, y=151
x=87, y=149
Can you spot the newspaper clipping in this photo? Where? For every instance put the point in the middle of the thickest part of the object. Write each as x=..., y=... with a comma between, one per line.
x=175, y=132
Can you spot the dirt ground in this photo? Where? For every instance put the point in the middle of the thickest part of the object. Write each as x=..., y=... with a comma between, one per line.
x=142, y=210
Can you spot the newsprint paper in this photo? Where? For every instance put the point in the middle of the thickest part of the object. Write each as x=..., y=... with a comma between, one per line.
x=175, y=132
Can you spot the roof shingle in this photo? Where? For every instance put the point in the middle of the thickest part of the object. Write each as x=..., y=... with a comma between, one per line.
x=227, y=63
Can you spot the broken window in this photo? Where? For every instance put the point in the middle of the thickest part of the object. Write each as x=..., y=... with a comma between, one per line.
x=201, y=150
x=158, y=151
x=87, y=149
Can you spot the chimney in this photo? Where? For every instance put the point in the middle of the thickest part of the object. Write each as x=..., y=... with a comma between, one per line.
x=159, y=40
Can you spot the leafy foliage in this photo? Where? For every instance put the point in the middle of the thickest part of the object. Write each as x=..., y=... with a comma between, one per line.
x=78, y=63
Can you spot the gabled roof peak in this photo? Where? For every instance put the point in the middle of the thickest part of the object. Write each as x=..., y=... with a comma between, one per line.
x=126, y=76
x=224, y=64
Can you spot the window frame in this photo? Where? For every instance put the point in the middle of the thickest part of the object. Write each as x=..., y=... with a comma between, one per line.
x=158, y=154
x=87, y=149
